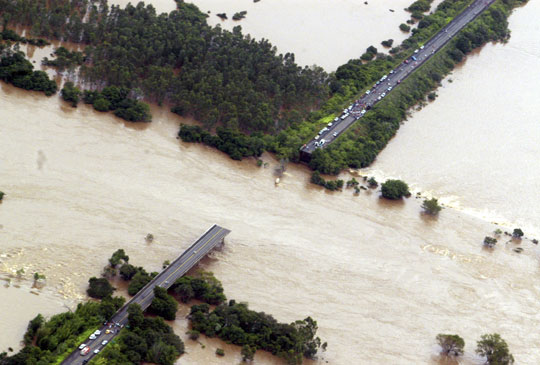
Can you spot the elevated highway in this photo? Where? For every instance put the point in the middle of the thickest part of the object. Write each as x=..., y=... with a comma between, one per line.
x=393, y=79
x=166, y=278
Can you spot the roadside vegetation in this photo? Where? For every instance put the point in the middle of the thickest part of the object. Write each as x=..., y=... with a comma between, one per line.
x=49, y=341
x=359, y=146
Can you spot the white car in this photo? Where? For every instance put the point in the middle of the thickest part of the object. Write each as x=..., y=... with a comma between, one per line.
x=379, y=98
x=92, y=337
x=322, y=142
x=82, y=346
x=330, y=124
x=336, y=119
x=383, y=95
x=317, y=137
x=363, y=111
x=97, y=333
x=389, y=88
x=421, y=47
x=334, y=134
x=416, y=50
x=392, y=71
x=368, y=92
x=104, y=342
x=96, y=351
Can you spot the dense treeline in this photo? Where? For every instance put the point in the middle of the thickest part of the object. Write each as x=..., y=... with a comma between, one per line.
x=17, y=70
x=9, y=35
x=47, y=341
x=234, y=143
x=236, y=323
x=217, y=76
x=117, y=99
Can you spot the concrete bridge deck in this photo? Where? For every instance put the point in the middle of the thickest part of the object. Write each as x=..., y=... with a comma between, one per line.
x=166, y=278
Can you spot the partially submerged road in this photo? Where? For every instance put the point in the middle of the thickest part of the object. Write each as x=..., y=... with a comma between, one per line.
x=393, y=79
x=165, y=279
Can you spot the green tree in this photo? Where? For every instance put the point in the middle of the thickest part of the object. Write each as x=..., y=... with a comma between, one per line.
x=372, y=182
x=518, y=233
x=1, y=195
x=394, y=189
x=404, y=27
x=140, y=279
x=248, y=353
x=490, y=242
x=128, y=271
x=102, y=105
x=71, y=93
x=431, y=206
x=135, y=316
x=99, y=288
x=118, y=257
x=495, y=349
x=163, y=304
x=451, y=344
x=194, y=335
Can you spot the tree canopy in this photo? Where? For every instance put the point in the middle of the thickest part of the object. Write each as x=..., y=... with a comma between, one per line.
x=431, y=206
x=237, y=324
x=99, y=288
x=394, y=189
x=495, y=349
x=17, y=70
x=220, y=77
x=451, y=344
x=163, y=304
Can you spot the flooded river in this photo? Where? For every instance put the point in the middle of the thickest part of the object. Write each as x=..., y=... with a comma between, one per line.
x=380, y=279
x=345, y=28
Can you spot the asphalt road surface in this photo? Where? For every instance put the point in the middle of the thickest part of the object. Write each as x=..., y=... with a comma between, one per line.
x=399, y=74
x=165, y=279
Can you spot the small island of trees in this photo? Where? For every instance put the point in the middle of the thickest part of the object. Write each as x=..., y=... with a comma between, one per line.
x=394, y=189
x=490, y=346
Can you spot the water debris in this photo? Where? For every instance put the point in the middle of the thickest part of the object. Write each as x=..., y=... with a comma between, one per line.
x=41, y=159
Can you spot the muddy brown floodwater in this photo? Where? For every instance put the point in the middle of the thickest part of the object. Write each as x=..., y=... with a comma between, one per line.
x=380, y=279
x=323, y=32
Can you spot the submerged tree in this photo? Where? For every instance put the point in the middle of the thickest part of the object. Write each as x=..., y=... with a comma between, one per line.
x=518, y=233
x=431, y=206
x=451, y=345
x=495, y=349
x=489, y=242
x=394, y=189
